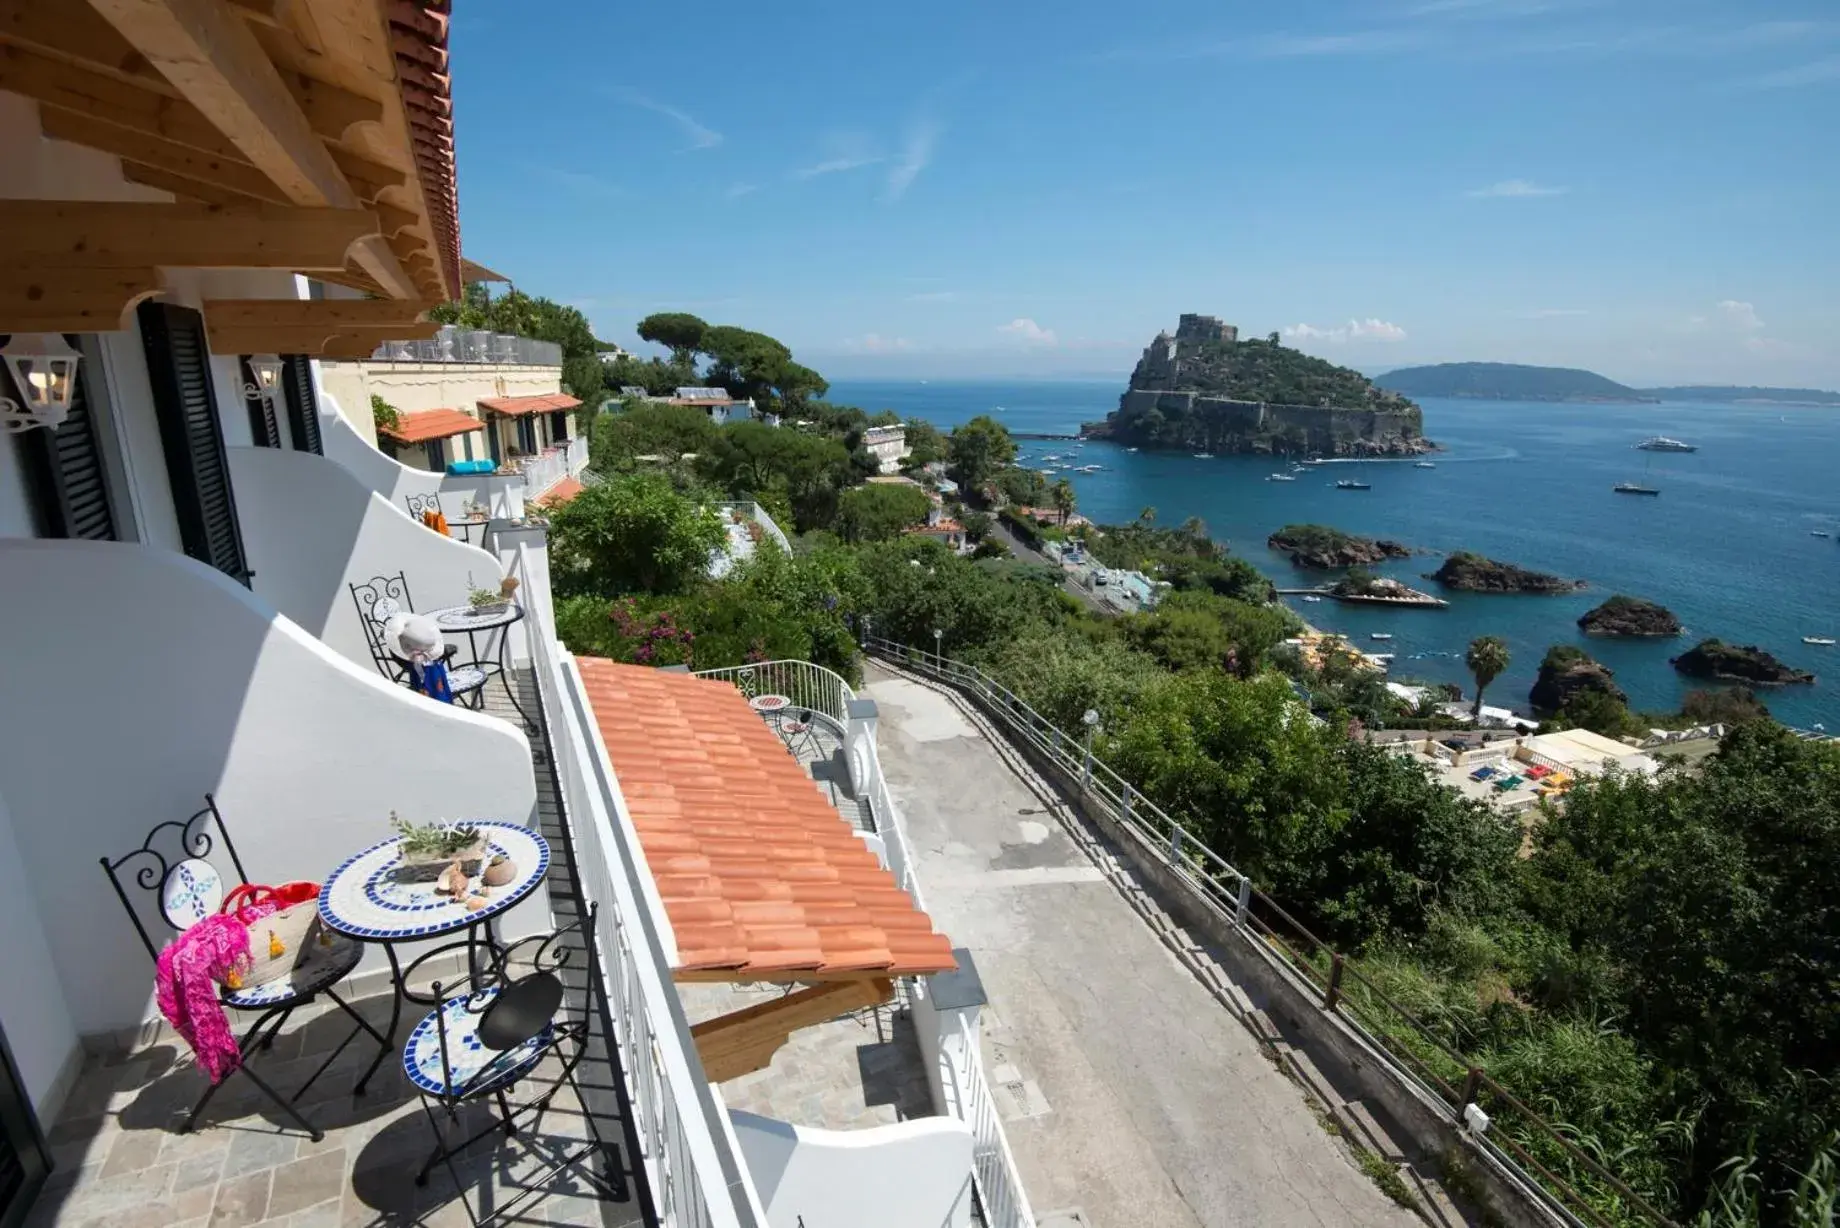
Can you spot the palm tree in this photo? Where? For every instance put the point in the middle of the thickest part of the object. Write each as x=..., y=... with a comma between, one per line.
x=1487, y=660
x=1062, y=494
x=1147, y=516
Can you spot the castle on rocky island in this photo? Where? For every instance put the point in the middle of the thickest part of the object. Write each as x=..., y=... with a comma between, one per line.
x=1204, y=389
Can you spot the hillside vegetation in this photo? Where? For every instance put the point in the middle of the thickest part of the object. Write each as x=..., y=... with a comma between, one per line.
x=1255, y=370
x=1507, y=381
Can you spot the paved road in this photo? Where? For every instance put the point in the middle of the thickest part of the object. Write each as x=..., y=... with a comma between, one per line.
x=1028, y=554
x=1131, y=1094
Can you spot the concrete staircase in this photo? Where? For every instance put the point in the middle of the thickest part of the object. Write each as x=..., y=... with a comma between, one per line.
x=1352, y=1120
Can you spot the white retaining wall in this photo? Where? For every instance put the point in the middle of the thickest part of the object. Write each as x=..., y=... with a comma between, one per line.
x=311, y=529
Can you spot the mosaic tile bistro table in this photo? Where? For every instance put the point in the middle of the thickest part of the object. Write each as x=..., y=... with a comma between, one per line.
x=369, y=899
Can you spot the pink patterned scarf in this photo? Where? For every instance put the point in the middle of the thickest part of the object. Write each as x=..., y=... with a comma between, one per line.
x=189, y=971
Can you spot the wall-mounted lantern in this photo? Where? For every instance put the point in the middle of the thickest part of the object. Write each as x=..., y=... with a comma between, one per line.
x=267, y=370
x=44, y=369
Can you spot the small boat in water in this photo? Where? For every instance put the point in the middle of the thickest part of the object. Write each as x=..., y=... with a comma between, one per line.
x=1204, y=456
x=1819, y=533
x=1379, y=635
x=1630, y=488
x=1661, y=443
x=1823, y=641
x=1311, y=597
x=1424, y=465
x=1346, y=484
x=1279, y=477
x=1130, y=449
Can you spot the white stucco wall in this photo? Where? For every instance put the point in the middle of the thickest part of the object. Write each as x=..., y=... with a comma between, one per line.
x=137, y=680
x=39, y=1029
x=310, y=529
x=913, y=1174
x=504, y=493
x=414, y=386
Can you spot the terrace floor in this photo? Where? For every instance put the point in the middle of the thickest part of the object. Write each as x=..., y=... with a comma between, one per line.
x=121, y=1162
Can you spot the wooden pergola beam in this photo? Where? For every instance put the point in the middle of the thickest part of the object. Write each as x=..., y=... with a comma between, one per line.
x=213, y=59
x=334, y=314
x=116, y=234
x=66, y=300
x=744, y=1041
x=310, y=339
x=185, y=161
x=75, y=34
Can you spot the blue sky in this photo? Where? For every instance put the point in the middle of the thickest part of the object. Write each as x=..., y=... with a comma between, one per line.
x=1648, y=188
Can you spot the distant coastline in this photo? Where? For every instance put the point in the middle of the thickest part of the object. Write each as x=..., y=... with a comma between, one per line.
x=1503, y=381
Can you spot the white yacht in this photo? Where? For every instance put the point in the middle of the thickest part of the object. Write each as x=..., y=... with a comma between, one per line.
x=1279, y=477
x=1661, y=443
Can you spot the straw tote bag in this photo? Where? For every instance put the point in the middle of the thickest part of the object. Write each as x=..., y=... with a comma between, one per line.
x=281, y=941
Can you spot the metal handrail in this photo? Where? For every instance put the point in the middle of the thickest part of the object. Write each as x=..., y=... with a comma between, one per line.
x=809, y=687
x=693, y=1166
x=1156, y=828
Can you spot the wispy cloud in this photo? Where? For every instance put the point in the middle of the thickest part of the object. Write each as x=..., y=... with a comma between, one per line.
x=1812, y=73
x=916, y=156
x=1028, y=332
x=836, y=166
x=1370, y=329
x=1514, y=189
x=737, y=190
x=875, y=343
x=590, y=185
x=1358, y=42
x=701, y=136
x=934, y=296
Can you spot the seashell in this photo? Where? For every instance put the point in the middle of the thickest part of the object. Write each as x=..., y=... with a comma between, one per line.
x=499, y=871
x=476, y=903
x=453, y=881
x=507, y=586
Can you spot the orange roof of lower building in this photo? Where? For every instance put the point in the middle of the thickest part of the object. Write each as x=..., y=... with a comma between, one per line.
x=430, y=424
x=761, y=878
x=561, y=492
x=519, y=406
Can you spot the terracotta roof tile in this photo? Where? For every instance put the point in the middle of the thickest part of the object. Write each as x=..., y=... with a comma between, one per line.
x=430, y=424
x=418, y=41
x=561, y=492
x=518, y=406
x=759, y=875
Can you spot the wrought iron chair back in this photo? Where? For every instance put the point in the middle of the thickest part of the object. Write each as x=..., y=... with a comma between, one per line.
x=174, y=866
x=421, y=504
x=378, y=600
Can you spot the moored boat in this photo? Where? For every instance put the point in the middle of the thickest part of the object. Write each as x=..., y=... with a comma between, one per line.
x=1630, y=488
x=1346, y=484
x=1823, y=641
x=1661, y=443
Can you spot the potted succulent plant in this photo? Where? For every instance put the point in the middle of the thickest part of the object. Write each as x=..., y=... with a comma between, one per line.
x=426, y=850
x=486, y=601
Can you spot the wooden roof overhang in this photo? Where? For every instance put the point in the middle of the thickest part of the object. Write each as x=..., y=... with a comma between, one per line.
x=760, y=877
x=314, y=136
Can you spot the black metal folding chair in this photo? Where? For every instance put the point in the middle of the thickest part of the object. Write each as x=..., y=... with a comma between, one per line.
x=380, y=599
x=492, y=1032
x=421, y=504
x=186, y=887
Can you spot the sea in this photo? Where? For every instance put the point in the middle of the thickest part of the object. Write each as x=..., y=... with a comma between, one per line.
x=1730, y=545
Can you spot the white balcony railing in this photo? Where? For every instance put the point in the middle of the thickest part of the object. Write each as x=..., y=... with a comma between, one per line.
x=693, y=1166
x=472, y=345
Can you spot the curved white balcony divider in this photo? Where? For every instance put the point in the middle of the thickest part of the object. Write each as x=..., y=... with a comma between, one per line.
x=503, y=493
x=912, y=1174
x=134, y=680
x=693, y=1164
x=310, y=529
